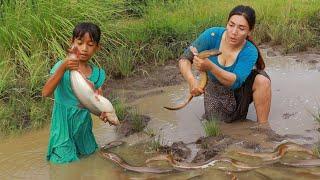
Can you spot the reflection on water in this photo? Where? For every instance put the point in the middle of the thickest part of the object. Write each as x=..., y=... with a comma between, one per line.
x=295, y=89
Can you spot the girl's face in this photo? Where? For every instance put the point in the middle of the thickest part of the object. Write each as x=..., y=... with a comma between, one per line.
x=86, y=47
x=237, y=30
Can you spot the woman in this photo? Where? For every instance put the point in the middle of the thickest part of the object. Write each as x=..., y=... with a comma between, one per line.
x=237, y=76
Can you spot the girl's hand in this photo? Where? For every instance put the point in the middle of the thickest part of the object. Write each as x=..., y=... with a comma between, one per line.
x=71, y=64
x=104, y=118
x=72, y=59
x=98, y=91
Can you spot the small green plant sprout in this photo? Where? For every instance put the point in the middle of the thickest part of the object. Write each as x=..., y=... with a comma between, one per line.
x=137, y=120
x=211, y=127
x=154, y=145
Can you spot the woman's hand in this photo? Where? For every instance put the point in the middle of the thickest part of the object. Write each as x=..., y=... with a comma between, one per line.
x=194, y=89
x=201, y=64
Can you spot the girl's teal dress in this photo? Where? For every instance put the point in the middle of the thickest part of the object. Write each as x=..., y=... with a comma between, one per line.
x=71, y=126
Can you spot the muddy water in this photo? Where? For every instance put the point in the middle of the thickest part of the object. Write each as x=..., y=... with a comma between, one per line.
x=295, y=98
x=295, y=89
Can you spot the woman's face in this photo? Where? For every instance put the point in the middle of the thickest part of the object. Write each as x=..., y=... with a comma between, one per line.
x=237, y=30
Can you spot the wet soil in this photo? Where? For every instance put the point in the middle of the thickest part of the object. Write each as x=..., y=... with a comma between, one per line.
x=151, y=77
x=128, y=126
x=212, y=146
x=264, y=139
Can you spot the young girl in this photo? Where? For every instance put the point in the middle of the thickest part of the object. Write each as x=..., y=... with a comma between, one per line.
x=71, y=126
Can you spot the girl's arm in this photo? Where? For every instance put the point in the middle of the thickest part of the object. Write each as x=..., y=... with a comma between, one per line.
x=54, y=80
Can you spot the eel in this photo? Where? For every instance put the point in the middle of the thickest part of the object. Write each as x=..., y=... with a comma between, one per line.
x=273, y=157
x=303, y=163
x=211, y=162
x=122, y=163
x=269, y=158
x=203, y=77
x=278, y=152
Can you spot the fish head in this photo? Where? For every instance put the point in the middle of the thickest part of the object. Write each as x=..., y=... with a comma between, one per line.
x=208, y=53
x=112, y=118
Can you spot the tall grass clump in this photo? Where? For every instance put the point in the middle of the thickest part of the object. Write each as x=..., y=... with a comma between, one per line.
x=316, y=149
x=211, y=127
x=120, y=108
x=128, y=113
x=122, y=62
x=316, y=116
x=137, y=120
x=155, y=144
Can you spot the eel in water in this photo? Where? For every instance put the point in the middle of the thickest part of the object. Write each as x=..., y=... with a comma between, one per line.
x=203, y=77
x=211, y=162
x=269, y=158
x=303, y=163
x=280, y=151
x=122, y=163
x=84, y=91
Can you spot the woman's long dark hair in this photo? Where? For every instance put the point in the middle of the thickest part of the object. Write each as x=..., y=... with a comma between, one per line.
x=249, y=14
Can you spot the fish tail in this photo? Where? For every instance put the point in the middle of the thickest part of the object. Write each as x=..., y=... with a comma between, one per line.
x=180, y=106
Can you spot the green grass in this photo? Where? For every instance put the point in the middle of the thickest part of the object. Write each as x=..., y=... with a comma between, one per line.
x=119, y=107
x=122, y=61
x=33, y=33
x=154, y=144
x=149, y=132
x=316, y=116
x=127, y=113
x=137, y=120
x=211, y=127
x=316, y=149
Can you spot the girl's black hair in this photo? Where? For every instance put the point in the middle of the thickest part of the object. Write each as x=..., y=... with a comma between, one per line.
x=249, y=14
x=86, y=27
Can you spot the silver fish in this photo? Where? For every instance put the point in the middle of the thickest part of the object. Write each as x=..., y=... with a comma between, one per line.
x=84, y=91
